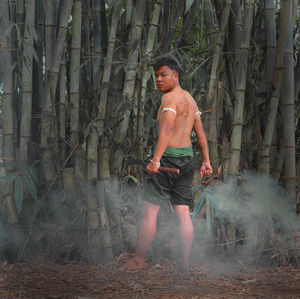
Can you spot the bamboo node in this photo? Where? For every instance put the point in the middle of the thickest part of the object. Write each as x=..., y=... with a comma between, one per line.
x=288, y=104
x=288, y=178
x=237, y=123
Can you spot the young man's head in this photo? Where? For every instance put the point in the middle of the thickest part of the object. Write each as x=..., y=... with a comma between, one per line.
x=166, y=74
x=167, y=61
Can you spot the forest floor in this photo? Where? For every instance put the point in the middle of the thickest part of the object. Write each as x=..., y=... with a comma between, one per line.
x=155, y=280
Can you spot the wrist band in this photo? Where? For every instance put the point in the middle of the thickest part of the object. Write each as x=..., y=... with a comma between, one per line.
x=155, y=163
x=206, y=163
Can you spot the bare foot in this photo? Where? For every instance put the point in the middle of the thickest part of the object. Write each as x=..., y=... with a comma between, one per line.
x=134, y=264
x=184, y=267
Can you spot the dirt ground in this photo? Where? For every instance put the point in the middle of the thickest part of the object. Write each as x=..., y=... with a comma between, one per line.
x=160, y=280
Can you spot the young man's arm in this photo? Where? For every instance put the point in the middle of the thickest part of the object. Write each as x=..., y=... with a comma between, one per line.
x=205, y=169
x=166, y=130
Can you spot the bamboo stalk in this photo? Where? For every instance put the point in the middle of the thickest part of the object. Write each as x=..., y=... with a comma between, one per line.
x=75, y=73
x=210, y=23
x=75, y=80
x=112, y=205
x=68, y=175
x=210, y=119
x=172, y=16
x=49, y=134
x=129, y=84
x=147, y=54
x=27, y=65
x=238, y=117
x=62, y=111
x=7, y=109
x=107, y=67
x=264, y=165
x=97, y=49
x=288, y=103
x=93, y=142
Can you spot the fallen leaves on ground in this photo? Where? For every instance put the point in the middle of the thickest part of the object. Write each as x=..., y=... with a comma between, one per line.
x=155, y=280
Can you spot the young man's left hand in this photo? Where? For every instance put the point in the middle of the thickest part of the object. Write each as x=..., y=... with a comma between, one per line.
x=205, y=170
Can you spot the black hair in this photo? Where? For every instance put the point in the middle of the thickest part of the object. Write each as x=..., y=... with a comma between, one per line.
x=167, y=61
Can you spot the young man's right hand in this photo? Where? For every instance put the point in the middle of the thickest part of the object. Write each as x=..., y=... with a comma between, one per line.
x=152, y=168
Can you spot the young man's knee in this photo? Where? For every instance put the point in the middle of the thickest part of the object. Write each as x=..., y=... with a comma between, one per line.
x=150, y=211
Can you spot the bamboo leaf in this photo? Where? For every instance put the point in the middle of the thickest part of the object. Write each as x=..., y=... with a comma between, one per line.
x=216, y=207
x=188, y=5
x=33, y=174
x=195, y=188
x=7, y=177
x=30, y=185
x=130, y=177
x=19, y=193
x=199, y=205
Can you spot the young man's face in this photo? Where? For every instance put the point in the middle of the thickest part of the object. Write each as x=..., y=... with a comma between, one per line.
x=166, y=79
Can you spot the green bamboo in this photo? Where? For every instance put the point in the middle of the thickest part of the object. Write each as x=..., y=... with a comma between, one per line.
x=7, y=108
x=210, y=22
x=49, y=134
x=188, y=20
x=92, y=155
x=264, y=164
x=107, y=67
x=99, y=240
x=238, y=27
x=271, y=40
x=75, y=80
x=20, y=14
x=62, y=111
x=27, y=65
x=75, y=73
x=288, y=103
x=50, y=12
x=211, y=118
x=265, y=86
x=38, y=80
x=129, y=82
x=238, y=117
x=172, y=16
x=93, y=143
x=97, y=49
x=147, y=54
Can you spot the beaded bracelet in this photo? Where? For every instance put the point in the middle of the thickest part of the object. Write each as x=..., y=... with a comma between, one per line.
x=206, y=163
x=155, y=163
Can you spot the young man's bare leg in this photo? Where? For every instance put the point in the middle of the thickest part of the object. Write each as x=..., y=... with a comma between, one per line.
x=146, y=235
x=186, y=233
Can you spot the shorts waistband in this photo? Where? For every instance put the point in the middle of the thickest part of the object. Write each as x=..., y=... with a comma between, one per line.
x=177, y=152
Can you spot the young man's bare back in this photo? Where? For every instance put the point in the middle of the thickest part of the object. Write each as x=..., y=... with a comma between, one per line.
x=184, y=107
x=178, y=115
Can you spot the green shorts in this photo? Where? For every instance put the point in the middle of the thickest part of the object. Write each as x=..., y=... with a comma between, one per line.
x=163, y=186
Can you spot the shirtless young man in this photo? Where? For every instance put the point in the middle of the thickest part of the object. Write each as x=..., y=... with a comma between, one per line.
x=177, y=116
